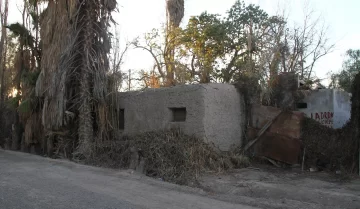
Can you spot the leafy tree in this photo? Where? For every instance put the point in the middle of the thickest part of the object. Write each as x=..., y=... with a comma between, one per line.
x=204, y=41
x=346, y=76
x=211, y=48
x=156, y=45
x=150, y=79
x=221, y=47
x=248, y=32
x=246, y=43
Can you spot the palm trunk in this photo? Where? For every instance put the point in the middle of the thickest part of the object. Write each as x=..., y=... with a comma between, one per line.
x=86, y=132
x=17, y=132
x=3, y=50
x=174, y=15
x=170, y=56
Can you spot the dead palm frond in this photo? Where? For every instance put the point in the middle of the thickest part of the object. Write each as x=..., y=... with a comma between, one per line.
x=74, y=69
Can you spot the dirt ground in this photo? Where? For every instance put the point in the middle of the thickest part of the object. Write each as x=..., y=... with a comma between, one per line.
x=268, y=187
x=25, y=180
x=34, y=182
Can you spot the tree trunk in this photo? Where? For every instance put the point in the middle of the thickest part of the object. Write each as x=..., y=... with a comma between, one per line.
x=86, y=132
x=17, y=131
x=3, y=49
x=169, y=56
x=174, y=15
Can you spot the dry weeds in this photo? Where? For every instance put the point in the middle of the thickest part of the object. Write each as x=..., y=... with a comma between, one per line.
x=332, y=149
x=169, y=155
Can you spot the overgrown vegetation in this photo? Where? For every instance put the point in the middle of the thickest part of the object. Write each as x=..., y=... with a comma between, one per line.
x=331, y=149
x=169, y=155
x=58, y=80
x=335, y=148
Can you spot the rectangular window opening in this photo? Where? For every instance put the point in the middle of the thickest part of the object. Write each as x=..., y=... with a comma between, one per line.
x=178, y=114
x=301, y=105
x=122, y=119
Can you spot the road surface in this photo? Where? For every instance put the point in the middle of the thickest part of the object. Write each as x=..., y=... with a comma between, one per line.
x=33, y=182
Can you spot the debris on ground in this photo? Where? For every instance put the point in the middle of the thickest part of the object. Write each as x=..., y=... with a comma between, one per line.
x=169, y=155
x=271, y=187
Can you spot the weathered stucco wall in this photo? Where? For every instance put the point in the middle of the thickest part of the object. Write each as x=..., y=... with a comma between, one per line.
x=149, y=110
x=342, y=108
x=213, y=112
x=224, y=116
x=330, y=107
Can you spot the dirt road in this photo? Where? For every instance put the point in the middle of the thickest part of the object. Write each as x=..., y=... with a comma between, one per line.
x=28, y=181
x=33, y=182
x=268, y=187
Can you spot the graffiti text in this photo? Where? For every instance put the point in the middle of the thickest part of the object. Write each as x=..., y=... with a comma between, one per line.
x=325, y=118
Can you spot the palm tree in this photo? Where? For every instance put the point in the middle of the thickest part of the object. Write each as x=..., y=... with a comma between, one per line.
x=174, y=15
x=3, y=15
x=73, y=75
x=174, y=12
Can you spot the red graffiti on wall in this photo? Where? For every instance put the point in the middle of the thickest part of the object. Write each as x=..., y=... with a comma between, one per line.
x=325, y=118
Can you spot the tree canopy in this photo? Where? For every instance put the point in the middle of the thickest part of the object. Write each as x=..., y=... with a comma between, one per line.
x=246, y=41
x=351, y=67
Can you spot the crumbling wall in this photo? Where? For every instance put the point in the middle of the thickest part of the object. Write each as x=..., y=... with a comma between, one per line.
x=213, y=112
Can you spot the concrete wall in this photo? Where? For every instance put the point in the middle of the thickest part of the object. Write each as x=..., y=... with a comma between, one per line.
x=330, y=107
x=213, y=112
x=149, y=110
x=224, y=117
x=342, y=108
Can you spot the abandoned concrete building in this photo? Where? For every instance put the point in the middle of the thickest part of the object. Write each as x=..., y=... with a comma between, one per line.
x=330, y=107
x=213, y=112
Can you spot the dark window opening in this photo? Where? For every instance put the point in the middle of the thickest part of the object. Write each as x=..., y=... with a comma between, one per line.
x=301, y=105
x=122, y=119
x=178, y=114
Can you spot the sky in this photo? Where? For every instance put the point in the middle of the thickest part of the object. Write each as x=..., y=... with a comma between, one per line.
x=137, y=17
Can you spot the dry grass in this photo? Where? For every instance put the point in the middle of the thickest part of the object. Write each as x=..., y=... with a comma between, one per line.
x=170, y=155
x=240, y=161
